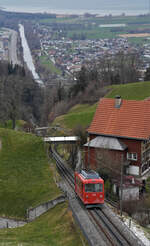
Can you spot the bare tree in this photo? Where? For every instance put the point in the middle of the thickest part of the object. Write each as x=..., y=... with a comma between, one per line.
x=118, y=69
x=20, y=96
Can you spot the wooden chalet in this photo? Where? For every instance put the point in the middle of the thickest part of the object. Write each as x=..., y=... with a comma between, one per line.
x=122, y=127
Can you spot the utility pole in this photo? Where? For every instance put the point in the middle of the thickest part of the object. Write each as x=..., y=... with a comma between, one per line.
x=88, y=162
x=121, y=184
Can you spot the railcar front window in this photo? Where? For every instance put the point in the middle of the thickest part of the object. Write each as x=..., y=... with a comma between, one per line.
x=93, y=188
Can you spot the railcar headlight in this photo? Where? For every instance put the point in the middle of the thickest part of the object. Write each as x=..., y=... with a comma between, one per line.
x=101, y=196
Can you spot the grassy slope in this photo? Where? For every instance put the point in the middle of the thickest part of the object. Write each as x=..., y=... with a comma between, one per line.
x=83, y=114
x=78, y=115
x=55, y=228
x=132, y=91
x=25, y=176
x=26, y=179
x=8, y=124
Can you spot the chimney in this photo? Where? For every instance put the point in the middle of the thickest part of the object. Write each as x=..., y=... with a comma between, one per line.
x=118, y=101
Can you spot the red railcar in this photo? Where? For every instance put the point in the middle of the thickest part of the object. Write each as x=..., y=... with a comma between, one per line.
x=89, y=187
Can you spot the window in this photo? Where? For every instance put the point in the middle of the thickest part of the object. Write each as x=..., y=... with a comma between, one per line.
x=132, y=156
x=93, y=188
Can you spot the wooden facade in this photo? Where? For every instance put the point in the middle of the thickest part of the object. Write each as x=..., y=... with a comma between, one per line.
x=132, y=166
x=129, y=124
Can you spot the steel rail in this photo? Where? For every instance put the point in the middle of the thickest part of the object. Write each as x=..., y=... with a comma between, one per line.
x=107, y=235
x=115, y=232
x=122, y=236
x=64, y=171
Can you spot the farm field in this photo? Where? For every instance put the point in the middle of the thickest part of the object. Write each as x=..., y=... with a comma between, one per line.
x=95, y=27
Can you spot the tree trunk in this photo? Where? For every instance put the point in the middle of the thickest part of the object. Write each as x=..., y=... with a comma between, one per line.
x=13, y=123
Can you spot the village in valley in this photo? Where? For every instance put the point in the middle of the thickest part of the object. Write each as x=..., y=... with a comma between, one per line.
x=69, y=54
x=65, y=53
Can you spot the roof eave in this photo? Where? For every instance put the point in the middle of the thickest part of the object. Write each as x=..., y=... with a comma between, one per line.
x=109, y=135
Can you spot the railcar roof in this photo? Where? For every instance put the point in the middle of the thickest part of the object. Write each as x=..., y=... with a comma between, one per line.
x=90, y=174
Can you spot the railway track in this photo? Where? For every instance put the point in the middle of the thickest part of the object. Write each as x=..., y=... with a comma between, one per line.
x=111, y=233
x=63, y=170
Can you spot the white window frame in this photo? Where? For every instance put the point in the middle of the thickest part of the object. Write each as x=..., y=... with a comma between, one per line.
x=132, y=156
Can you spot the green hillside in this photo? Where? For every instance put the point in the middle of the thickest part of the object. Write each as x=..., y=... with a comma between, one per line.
x=26, y=180
x=132, y=91
x=56, y=228
x=83, y=114
x=25, y=176
x=80, y=114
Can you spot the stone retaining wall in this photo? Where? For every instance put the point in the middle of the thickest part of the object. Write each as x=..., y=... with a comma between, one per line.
x=11, y=223
x=32, y=213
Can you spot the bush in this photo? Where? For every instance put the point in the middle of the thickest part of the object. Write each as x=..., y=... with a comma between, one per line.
x=148, y=185
x=80, y=131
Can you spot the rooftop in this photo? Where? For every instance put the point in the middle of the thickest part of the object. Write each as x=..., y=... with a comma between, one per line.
x=91, y=174
x=130, y=120
x=106, y=143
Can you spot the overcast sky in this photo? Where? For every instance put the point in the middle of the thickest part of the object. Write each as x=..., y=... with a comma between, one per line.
x=79, y=4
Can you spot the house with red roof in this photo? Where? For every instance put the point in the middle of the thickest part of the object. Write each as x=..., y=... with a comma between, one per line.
x=121, y=127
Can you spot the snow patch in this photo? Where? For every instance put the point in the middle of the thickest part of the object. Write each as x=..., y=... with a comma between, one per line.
x=138, y=231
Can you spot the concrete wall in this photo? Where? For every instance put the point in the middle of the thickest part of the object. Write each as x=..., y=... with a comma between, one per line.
x=32, y=213
x=130, y=193
x=10, y=223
